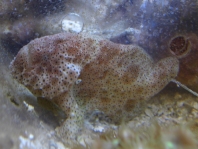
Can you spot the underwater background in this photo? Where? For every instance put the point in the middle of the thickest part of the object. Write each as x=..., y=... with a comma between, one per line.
x=161, y=27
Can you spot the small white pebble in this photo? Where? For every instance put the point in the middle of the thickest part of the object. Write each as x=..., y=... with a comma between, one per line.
x=31, y=136
x=29, y=107
x=26, y=143
x=99, y=129
x=72, y=23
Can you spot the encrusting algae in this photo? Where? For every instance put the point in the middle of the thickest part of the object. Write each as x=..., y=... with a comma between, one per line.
x=82, y=73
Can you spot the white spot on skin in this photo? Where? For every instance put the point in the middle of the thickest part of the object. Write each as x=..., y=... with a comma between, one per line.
x=74, y=67
x=72, y=114
x=78, y=81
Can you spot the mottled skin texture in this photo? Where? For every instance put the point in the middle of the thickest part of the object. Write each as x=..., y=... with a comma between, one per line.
x=81, y=73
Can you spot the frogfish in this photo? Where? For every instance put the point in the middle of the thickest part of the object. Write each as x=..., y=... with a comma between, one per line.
x=81, y=73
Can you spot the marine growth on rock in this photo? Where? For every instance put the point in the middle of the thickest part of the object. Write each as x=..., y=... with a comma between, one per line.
x=82, y=73
x=179, y=46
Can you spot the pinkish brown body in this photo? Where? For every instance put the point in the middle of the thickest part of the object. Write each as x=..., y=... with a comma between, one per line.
x=81, y=73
